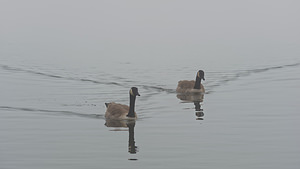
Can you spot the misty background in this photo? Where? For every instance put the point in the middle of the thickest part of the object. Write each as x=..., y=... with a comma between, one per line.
x=151, y=31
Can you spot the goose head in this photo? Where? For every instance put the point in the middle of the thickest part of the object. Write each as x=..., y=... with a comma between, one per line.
x=134, y=91
x=200, y=74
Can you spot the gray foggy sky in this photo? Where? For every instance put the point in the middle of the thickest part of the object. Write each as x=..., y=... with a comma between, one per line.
x=152, y=28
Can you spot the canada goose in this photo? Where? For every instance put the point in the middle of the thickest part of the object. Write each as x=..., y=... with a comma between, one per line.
x=191, y=86
x=119, y=111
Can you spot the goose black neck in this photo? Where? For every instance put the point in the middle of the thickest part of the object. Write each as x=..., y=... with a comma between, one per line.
x=197, y=83
x=131, y=106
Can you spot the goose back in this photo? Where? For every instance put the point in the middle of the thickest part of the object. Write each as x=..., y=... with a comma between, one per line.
x=187, y=86
x=117, y=111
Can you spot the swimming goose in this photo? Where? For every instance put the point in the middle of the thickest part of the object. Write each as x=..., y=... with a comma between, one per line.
x=191, y=86
x=119, y=111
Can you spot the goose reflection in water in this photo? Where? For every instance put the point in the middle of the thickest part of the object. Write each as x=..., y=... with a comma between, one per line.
x=198, y=111
x=197, y=99
x=119, y=125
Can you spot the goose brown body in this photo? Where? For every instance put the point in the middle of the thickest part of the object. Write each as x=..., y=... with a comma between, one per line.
x=187, y=86
x=117, y=111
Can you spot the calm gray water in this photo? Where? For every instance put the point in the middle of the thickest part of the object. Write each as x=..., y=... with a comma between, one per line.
x=58, y=69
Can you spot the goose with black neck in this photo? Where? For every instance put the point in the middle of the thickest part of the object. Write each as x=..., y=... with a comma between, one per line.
x=118, y=111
